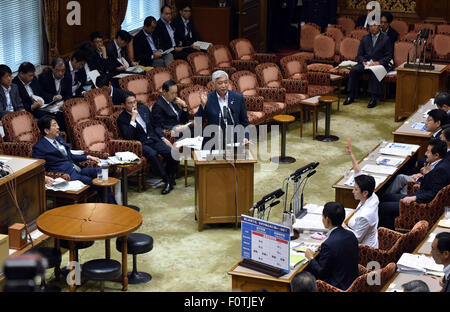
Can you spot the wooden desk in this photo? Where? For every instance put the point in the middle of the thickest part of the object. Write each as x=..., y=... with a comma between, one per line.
x=425, y=245
x=406, y=134
x=215, y=191
x=343, y=193
x=425, y=82
x=70, y=197
x=87, y=222
x=29, y=179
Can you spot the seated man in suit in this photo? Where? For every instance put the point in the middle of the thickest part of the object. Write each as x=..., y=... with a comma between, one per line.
x=117, y=95
x=303, y=282
x=442, y=101
x=170, y=112
x=386, y=20
x=440, y=250
x=185, y=33
x=75, y=71
x=116, y=49
x=434, y=176
x=29, y=89
x=146, y=46
x=436, y=119
x=374, y=49
x=337, y=262
x=445, y=137
x=165, y=34
x=223, y=105
x=99, y=58
x=55, y=85
x=10, y=100
x=135, y=123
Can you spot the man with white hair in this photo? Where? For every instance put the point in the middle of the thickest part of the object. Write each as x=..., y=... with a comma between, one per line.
x=375, y=49
x=223, y=106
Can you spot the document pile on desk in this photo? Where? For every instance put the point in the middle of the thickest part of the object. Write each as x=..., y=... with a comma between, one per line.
x=399, y=149
x=419, y=264
x=62, y=185
x=390, y=161
x=419, y=126
x=312, y=220
x=296, y=259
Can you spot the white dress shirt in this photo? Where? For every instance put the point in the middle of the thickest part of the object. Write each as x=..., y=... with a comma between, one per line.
x=9, y=106
x=222, y=102
x=170, y=31
x=364, y=222
x=185, y=22
x=140, y=121
x=30, y=92
x=57, y=85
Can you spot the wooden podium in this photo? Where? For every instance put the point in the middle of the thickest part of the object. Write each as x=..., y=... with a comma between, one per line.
x=215, y=189
x=426, y=82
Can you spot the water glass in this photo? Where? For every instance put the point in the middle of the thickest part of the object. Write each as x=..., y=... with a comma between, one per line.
x=383, y=143
x=372, y=157
x=447, y=213
x=347, y=173
x=99, y=175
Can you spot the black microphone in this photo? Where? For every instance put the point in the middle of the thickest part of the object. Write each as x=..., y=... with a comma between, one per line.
x=225, y=112
x=230, y=113
x=276, y=194
x=417, y=37
x=304, y=169
x=301, y=196
x=270, y=206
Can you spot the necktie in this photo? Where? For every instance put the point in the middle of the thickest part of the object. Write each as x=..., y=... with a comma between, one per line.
x=61, y=148
x=374, y=41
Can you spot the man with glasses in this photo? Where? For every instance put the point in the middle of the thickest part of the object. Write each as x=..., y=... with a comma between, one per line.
x=386, y=20
x=185, y=33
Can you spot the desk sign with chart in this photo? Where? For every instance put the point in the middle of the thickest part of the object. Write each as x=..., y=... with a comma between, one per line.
x=265, y=242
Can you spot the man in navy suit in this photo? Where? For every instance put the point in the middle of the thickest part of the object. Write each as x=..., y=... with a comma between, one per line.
x=185, y=32
x=10, y=100
x=116, y=49
x=135, y=123
x=337, y=262
x=440, y=250
x=170, y=112
x=76, y=72
x=433, y=178
x=117, y=95
x=374, y=49
x=57, y=155
x=386, y=20
x=55, y=85
x=223, y=105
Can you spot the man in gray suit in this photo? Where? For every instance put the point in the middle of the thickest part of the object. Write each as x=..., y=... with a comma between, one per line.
x=10, y=100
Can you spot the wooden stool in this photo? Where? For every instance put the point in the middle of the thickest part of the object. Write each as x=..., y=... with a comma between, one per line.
x=110, y=182
x=284, y=120
x=328, y=101
x=313, y=104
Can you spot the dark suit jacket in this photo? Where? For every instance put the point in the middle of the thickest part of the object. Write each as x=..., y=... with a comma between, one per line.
x=118, y=96
x=142, y=49
x=80, y=76
x=97, y=62
x=111, y=51
x=165, y=118
x=48, y=88
x=433, y=182
x=180, y=32
x=337, y=263
x=128, y=132
x=236, y=104
x=446, y=287
x=382, y=52
x=16, y=101
x=162, y=36
x=55, y=161
x=27, y=101
x=320, y=12
x=393, y=36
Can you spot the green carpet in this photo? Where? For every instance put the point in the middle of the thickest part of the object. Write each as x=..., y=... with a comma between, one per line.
x=184, y=259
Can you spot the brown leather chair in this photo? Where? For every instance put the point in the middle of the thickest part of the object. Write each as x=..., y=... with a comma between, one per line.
x=443, y=29
x=242, y=49
x=441, y=47
x=358, y=33
x=420, y=26
x=360, y=284
x=392, y=244
x=401, y=27
x=324, y=54
x=201, y=64
x=348, y=51
x=157, y=77
x=307, y=34
x=347, y=23
x=140, y=86
x=269, y=76
x=220, y=58
x=94, y=139
x=22, y=149
x=182, y=74
x=337, y=35
x=401, y=50
x=76, y=110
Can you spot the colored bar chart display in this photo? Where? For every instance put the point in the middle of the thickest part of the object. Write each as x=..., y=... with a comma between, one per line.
x=265, y=242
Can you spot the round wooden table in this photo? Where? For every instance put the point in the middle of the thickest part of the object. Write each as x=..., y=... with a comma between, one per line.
x=102, y=183
x=328, y=101
x=87, y=222
x=284, y=120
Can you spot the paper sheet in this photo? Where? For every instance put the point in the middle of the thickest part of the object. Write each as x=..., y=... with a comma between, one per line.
x=70, y=186
x=418, y=126
x=203, y=45
x=195, y=143
x=2, y=132
x=389, y=170
x=378, y=70
x=94, y=74
x=390, y=161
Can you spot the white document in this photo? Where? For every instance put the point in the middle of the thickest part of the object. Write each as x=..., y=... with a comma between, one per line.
x=419, y=264
x=418, y=126
x=378, y=180
x=390, y=161
x=122, y=75
x=310, y=221
x=123, y=62
x=2, y=132
x=135, y=69
x=203, y=45
x=94, y=74
x=347, y=63
x=167, y=51
x=70, y=186
x=195, y=143
x=381, y=169
x=77, y=152
x=378, y=70
x=392, y=72
x=127, y=156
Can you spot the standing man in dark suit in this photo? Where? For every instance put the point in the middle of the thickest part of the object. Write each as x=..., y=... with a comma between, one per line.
x=432, y=179
x=223, y=105
x=10, y=100
x=337, y=263
x=386, y=20
x=75, y=71
x=374, y=49
x=55, y=85
x=185, y=33
x=117, y=95
x=146, y=46
x=165, y=34
x=29, y=89
x=116, y=49
x=440, y=250
x=135, y=123
x=170, y=112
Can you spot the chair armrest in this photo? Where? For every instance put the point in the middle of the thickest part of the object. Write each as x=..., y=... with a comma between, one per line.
x=410, y=214
x=229, y=70
x=117, y=108
x=318, y=78
x=325, y=287
x=254, y=103
x=244, y=65
x=272, y=94
x=367, y=254
x=56, y=175
x=23, y=149
x=265, y=58
x=295, y=85
x=126, y=146
x=412, y=186
x=201, y=80
x=362, y=269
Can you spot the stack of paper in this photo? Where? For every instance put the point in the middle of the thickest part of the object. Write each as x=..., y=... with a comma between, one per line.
x=303, y=246
x=310, y=221
x=297, y=259
x=69, y=186
x=127, y=156
x=419, y=126
x=378, y=180
x=347, y=64
x=316, y=209
x=419, y=264
x=388, y=170
x=390, y=161
x=203, y=45
x=195, y=143
x=444, y=223
x=399, y=149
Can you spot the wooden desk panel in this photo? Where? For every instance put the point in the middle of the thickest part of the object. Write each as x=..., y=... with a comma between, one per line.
x=205, y=17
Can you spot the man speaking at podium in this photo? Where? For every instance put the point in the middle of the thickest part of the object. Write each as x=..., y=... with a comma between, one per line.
x=223, y=106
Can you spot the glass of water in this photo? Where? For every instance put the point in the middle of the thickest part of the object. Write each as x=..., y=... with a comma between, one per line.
x=383, y=143
x=447, y=213
x=347, y=173
x=99, y=175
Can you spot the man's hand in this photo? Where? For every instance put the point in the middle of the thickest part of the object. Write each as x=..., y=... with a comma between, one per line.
x=374, y=63
x=309, y=254
x=48, y=180
x=103, y=48
x=36, y=105
x=203, y=99
x=365, y=63
x=167, y=142
x=425, y=169
x=134, y=113
x=134, y=63
x=121, y=68
x=245, y=141
x=96, y=159
x=57, y=97
x=157, y=54
x=195, y=47
x=407, y=200
x=180, y=102
x=441, y=281
x=178, y=49
x=416, y=176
